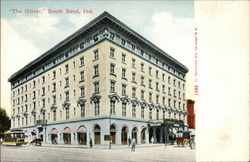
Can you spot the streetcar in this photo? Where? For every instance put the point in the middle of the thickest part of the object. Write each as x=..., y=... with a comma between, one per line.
x=15, y=138
x=182, y=138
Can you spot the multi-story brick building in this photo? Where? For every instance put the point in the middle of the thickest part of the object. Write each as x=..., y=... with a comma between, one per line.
x=105, y=80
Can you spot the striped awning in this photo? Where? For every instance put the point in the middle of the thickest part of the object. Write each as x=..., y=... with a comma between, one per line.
x=82, y=129
x=67, y=131
x=54, y=131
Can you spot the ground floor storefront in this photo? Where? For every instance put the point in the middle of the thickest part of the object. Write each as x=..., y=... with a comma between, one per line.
x=99, y=131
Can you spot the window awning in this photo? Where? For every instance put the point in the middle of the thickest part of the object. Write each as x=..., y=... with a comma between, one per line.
x=82, y=129
x=67, y=131
x=54, y=131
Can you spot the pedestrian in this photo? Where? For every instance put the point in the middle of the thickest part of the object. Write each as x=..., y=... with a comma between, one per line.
x=129, y=142
x=133, y=144
x=191, y=142
x=152, y=140
x=90, y=143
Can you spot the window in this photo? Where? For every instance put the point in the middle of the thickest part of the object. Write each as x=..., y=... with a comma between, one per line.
x=82, y=110
x=156, y=61
x=82, y=89
x=142, y=94
x=169, y=91
x=133, y=63
x=123, y=73
x=54, y=74
x=169, y=103
x=150, y=70
x=157, y=86
x=142, y=67
x=183, y=106
x=54, y=87
x=183, y=86
x=133, y=111
x=179, y=105
x=163, y=77
x=174, y=82
x=169, y=80
x=163, y=89
x=26, y=98
x=157, y=114
x=124, y=90
x=174, y=104
x=43, y=102
x=82, y=61
x=82, y=76
x=142, y=81
x=54, y=100
x=26, y=87
x=34, y=95
x=97, y=108
x=150, y=114
x=123, y=42
x=179, y=84
x=142, y=112
x=54, y=115
x=157, y=99
x=157, y=74
x=124, y=105
x=174, y=93
x=150, y=83
x=96, y=85
x=133, y=91
x=112, y=106
x=34, y=85
x=67, y=96
x=66, y=68
x=112, y=86
x=150, y=97
x=163, y=100
x=183, y=96
x=133, y=77
x=112, y=69
x=123, y=58
x=179, y=95
x=133, y=47
x=67, y=114
x=96, y=69
x=96, y=55
x=66, y=82
x=34, y=105
x=112, y=52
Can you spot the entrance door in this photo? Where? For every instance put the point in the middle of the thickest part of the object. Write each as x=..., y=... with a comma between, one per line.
x=143, y=136
x=112, y=137
x=97, y=137
x=124, y=136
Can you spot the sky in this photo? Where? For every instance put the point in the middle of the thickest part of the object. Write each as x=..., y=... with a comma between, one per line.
x=25, y=36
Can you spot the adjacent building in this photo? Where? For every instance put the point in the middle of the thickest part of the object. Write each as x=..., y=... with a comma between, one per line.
x=103, y=82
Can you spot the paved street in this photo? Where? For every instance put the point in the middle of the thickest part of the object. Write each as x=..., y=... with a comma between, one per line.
x=67, y=154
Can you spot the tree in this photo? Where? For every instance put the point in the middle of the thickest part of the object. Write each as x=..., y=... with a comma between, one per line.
x=4, y=122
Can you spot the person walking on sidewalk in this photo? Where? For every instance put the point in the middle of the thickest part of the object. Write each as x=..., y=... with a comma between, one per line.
x=90, y=143
x=191, y=142
x=133, y=144
x=129, y=142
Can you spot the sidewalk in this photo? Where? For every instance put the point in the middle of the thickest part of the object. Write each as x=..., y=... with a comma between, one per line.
x=104, y=146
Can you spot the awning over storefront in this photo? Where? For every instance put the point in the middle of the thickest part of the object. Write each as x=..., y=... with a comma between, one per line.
x=67, y=130
x=81, y=129
x=54, y=131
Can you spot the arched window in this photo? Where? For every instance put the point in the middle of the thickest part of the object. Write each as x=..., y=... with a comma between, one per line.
x=67, y=136
x=82, y=135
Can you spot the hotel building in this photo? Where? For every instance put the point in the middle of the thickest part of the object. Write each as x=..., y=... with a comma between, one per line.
x=105, y=81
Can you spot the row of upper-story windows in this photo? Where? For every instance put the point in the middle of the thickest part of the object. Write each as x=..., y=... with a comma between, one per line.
x=124, y=71
x=142, y=97
x=25, y=88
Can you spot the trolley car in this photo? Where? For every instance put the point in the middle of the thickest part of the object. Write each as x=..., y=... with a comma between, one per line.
x=182, y=138
x=16, y=138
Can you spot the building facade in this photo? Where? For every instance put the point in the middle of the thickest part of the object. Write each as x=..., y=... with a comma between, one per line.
x=103, y=82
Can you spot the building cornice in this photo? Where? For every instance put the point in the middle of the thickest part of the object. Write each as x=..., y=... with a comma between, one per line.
x=104, y=20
